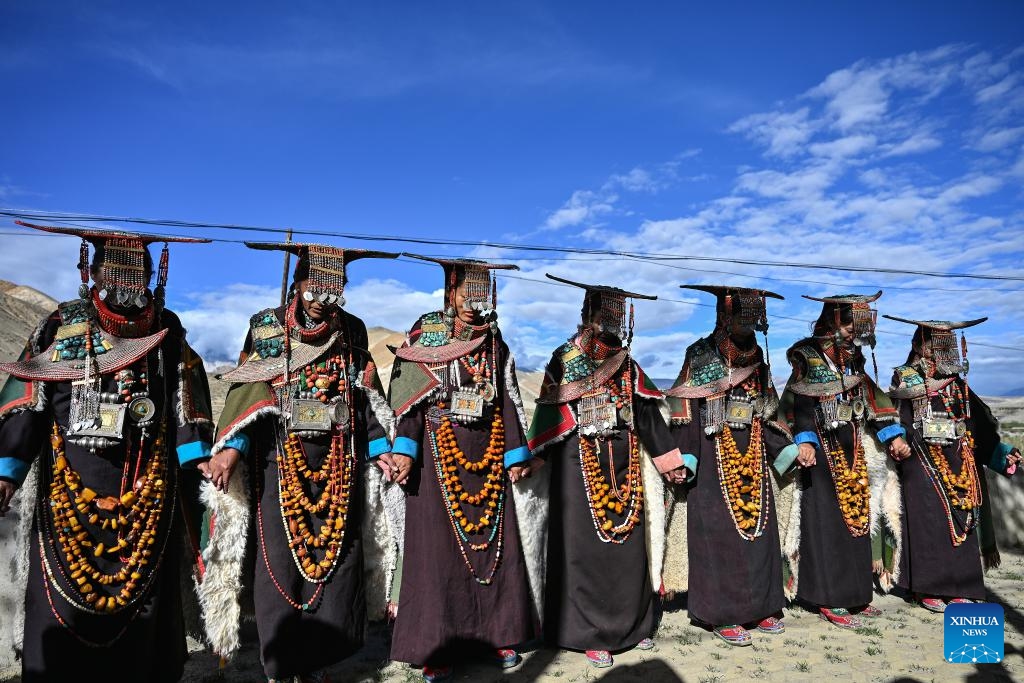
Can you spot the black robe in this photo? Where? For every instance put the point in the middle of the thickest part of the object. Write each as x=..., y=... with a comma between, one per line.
x=145, y=641
x=443, y=611
x=731, y=580
x=834, y=566
x=598, y=595
x=296, y=641
x=930, y=564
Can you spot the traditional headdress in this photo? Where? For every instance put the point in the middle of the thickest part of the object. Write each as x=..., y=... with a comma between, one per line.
x=748, y=302
x=611, y=305
x=322, y=266
x=935, y=341
x=481, y=287
x=858, y=306
x=122, y=260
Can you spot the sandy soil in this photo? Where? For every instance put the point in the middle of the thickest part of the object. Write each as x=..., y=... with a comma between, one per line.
x=905, y=644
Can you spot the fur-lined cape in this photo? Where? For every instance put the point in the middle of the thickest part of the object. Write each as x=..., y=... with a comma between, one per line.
x=886, y=517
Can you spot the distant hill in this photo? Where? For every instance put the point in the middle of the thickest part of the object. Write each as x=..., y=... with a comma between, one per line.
x=21, y=310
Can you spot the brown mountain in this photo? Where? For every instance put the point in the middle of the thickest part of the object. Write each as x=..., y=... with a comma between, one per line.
x=21, y=310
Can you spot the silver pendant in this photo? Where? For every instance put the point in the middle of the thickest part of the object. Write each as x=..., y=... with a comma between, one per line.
x=141, y=410
x=310, y=415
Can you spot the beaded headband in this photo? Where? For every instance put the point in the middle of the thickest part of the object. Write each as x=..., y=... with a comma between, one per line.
x=752, y=309
x=612, y=315
x=479, y=285
x=123, y=277
x=325, y=266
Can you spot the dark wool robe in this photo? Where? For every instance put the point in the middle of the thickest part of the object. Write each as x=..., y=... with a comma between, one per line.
x=731, y=580
x=598, y=595
x=444, y=613
x=930, y=565
x=144, y=641
x=834, y=567
x=299, y=641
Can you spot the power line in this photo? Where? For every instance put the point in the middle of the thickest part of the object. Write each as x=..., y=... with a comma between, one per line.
x=67, y=218
x=41, y=215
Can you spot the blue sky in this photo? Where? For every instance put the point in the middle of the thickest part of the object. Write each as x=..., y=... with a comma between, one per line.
x=859, y=134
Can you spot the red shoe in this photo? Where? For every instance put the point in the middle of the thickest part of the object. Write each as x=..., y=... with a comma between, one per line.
x=933, y=604
x=960, y=601
x=602, y=659
x=507, y=658
x=771, y=625
x=840, y=617
x=734, y=635
x=645, y=644
x=433, y=674
x=869, y=611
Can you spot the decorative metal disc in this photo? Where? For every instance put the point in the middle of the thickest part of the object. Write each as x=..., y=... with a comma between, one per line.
x=961, y=429
x=487, y=391
x=626, y=413
x=859, y=407
x=141, y=409
x=340, y=413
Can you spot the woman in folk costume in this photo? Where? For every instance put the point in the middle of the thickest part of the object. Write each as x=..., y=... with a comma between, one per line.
x=598, y=427
x=305, y=413
x=945, y=499
x=460, y=446
x=834, y=410
x=724, y=413
x=117, y=404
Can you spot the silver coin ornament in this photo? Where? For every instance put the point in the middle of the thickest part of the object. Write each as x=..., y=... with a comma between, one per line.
x=141, y=409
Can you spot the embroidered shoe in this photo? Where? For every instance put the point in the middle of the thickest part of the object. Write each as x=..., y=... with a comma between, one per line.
x=645, y=644
x=771, y=625
x=840, y=617
x=602, y=659
x=960, y=601
x=869, y=611
x=433, y=674
x=933, y=604
x=507, y=658
x=734, y=635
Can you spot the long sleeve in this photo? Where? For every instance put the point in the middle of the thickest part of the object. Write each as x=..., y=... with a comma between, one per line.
x=658, y=440
x=409, y=431
x=516, y=450
x=805, y=430
x=24, y=428
x=194, y=409
x=989, y=450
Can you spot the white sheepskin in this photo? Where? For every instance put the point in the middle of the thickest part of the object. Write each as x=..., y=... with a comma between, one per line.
x=220, y=589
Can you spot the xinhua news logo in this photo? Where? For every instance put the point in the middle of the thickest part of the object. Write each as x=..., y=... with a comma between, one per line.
x=973, y=633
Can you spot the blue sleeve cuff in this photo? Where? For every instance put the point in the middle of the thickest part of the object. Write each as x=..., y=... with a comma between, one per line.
x=786, y=458
x=690, y=463
x=405, y=446
x=378, y=446
x=239, y=442
x=887, y=434
x=189, y=454
x=996, y=462
x=516, y=456
x=16, y=470
x=807, y=437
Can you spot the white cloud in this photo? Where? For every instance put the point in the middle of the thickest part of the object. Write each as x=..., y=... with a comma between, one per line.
x=997, y=90
x=784, y=133
x=217, y=322
x=996, y=140
x=584, y=206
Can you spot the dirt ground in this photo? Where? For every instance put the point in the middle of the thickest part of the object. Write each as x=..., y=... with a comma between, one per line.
x=905, y=644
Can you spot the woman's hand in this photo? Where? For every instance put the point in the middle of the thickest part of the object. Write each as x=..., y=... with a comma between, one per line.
x=805, y=457
x=219, y=468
